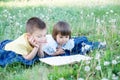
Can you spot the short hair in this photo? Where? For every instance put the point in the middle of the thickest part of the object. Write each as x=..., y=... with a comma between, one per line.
x=62, y=28
x=34, y=22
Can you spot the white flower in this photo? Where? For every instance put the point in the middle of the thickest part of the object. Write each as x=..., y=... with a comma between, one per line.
x=102, y=21
x=114, y=77
x=17, y=23
x=87, y=68
x=80, y=79
x=112, y=20
x=92, y=13
x=98, y=20
x=107, y=12
x=61, y=78
x=97, y=56
x=104, y=79
x=118, y=57
x=111, y=11
x=98, y=67
x=87, y=62
x=114, y=62
x=106, y=63
x=88, y=15
x=118, y=73
x=81, y=12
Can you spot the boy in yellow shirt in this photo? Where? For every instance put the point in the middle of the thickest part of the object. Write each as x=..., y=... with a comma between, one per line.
x=30, y=43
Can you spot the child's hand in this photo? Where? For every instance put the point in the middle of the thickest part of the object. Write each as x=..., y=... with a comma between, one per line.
x=60, y=51
x=33, y=42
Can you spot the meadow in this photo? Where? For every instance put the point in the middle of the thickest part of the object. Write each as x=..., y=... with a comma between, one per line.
x=95, y=19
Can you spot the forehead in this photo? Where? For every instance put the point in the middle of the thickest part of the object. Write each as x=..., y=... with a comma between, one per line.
x=39, y=31
x=59, y=34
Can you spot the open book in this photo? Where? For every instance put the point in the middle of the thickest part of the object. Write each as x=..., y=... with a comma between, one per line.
x=63, y=60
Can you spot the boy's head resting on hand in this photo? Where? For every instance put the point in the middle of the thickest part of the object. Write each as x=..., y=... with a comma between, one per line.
x=36, y=29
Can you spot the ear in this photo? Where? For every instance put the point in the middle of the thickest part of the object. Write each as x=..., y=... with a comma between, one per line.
x=28, y=35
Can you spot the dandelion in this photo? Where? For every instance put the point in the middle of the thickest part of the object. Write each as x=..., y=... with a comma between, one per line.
x=107, y=12
x=111, y=11
x=61, y=78
x=114, y=62
x=81, y=12
x=87, y=68
x=118, y=57
x=118, y=73
x=80, y=79
x=102, y=21
x=81, y=17
x=114, y=77
x=115, y=14
x=98, y=21
x=87, y=62
x=104, y=79
x=106, y=63
x=88, y=15
x=113, y=20
x=92, y=13
x=98, y=67
x=97, y=56
x=17, y=23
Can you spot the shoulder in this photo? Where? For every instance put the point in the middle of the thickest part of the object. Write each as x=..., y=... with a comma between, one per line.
x=69, y=45
x=51, y=41
x=70, y=42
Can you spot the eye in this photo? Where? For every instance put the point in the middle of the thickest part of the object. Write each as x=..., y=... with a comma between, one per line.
x=66, y=36
x=44, y=35
x=61, y=37
x=39, y=36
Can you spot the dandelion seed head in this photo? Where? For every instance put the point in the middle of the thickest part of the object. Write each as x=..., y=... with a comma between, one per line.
x=87, y=68
x=61, y=78
x=114, y=62
x=87, y=62
x=107, y=12
x=97, y=56
x=80, y=79
x=111, y=11
x=114, y=77
x=104, y=79
x=106, y=63
x=98, y=67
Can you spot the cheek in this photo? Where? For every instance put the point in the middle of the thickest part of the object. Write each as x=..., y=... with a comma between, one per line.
x=36, y=39
x=58, y=40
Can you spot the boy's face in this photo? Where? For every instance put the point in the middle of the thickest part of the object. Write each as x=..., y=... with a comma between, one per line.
x=39, y=35
x=61, y=40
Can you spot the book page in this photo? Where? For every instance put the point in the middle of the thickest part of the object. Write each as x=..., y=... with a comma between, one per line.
x=63, y=60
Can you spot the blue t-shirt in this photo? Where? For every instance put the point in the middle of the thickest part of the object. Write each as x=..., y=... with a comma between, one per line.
x=51, y=45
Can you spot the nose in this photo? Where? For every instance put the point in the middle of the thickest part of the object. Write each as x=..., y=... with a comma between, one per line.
x=64, y=40
x=44, y=39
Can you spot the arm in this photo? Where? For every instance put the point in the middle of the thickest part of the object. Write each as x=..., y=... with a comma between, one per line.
x=32, y=54
x=58, y=51
x=40, y=52
x=51, y=50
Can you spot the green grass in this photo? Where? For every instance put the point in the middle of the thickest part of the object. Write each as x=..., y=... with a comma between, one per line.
x=98, y=23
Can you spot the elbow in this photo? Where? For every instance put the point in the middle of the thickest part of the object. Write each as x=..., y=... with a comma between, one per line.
x=27, y=57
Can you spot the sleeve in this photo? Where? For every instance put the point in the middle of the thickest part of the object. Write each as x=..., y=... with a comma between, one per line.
x=18, y=49
x=48, y=49
x=22, y=50
x=69, y=45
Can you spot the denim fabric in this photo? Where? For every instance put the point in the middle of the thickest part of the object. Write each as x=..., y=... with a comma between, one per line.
x=9, y=57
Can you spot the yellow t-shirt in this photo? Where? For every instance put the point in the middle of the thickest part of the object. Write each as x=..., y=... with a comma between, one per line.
x=20, y=45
